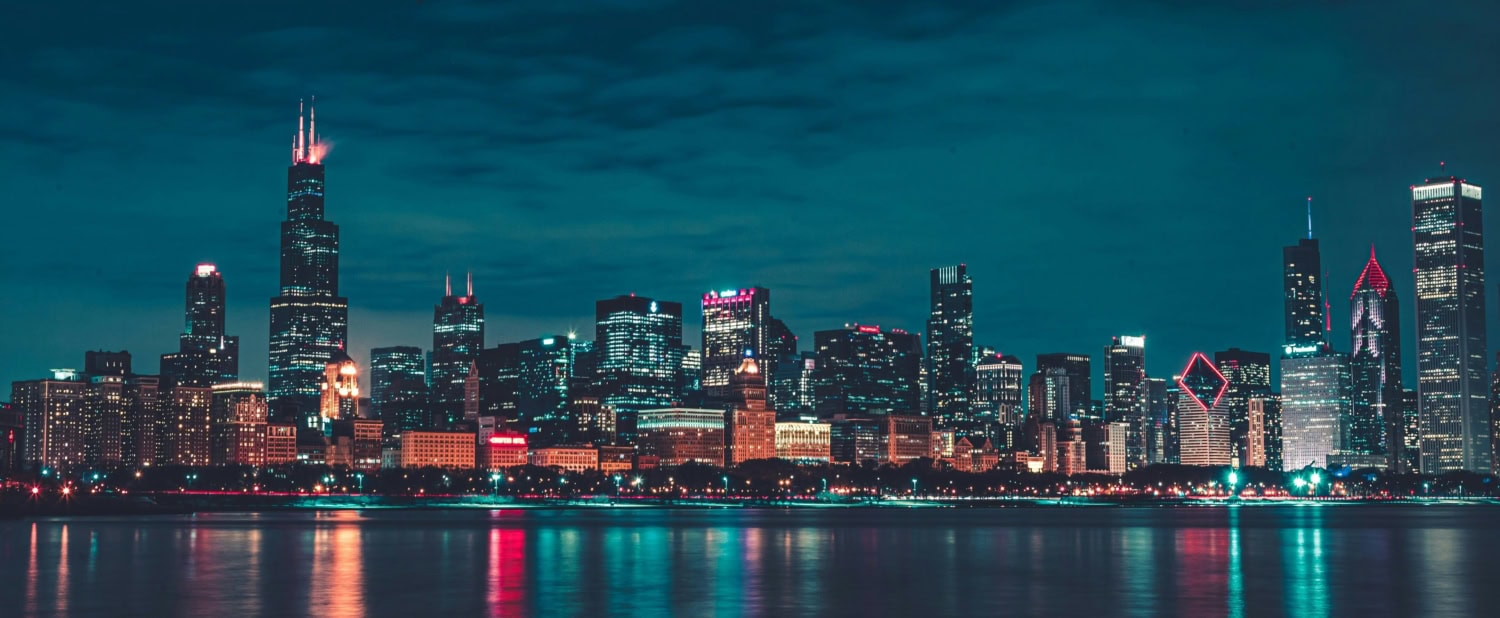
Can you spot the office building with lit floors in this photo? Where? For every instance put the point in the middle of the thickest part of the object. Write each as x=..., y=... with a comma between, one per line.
x=803, y=442
x=1249, y=376
x=950, y=346
x=750, y=426
x=437, y=449
x=398, y=388
x=55, y=427
x=734, y=322
x=999, y=381
x=1376, y=423
x=677, y=436
x=1125, y=395
x=1314, y=406
x=457, y=338
x=904, y=437
x=546, y=378
x=638, y=341
x=309, y=320
x=238, y=430
x=1072, y=372
x=205, y=355
x=1202, y=422
x=863, y=370
x=1452, y=376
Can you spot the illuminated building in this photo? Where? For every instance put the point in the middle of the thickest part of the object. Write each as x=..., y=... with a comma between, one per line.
x=104, y=409
x=281, y=443
x=205, y=355
x=862, y=370
x=680, y=435
x=238, y=424
x=1125, y=394
x=1079, y=384
x=1411, y=436
x=340, y=391
x=569, y=458
x=1314, y=407
x=544, y=381
x=997, y=390
x=1202, y=422
x=186, y=438
x=142, y=401
x=1375, y=416
x=499, y=382
x=398, y=388
x=55, y=425
x=950, y=347
x=1255, y=432
x=855, y=440
x=803, y=442
x=1071, y=455
x=1049, y=391
x=1158, y=420
x=437, y=449
x=1249, y=376
x=750, y=426
x=792, y=388
x=1448, y=234
x=615, y=459
x=309, y=320
x=735, y=322
x=595, y=422
x=692, y=373
x=12, y=439
x=904, y=437
x=457, y=338
x=639, y=345
x=1302, y=283
x=355, y=442
x=504, y=450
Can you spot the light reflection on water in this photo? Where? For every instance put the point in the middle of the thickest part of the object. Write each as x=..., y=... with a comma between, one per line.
x=1303, y=561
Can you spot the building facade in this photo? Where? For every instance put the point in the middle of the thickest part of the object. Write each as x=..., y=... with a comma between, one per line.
x=1125, y=395
x=950, y=347
x=677, y=436
x=398, y=388
x=1452, y=389
x=1202, y=422
x=862, y=370
x=735, y=322
x=639, y=344
x=1376, y=420
x=1249, y=376
x=205, y=355
x=457, y=338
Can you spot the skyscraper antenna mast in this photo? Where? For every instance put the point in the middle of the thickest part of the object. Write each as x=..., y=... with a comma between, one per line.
x=447, y=284
x=471, y=283
x=1309, y=217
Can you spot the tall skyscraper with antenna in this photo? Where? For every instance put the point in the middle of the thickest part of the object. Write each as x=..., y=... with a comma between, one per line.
x=1452, y=388
x=309, y=320
x=1314, y=378
x=1376, y=420
x=457, y=338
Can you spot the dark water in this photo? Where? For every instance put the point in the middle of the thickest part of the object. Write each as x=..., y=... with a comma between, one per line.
x=1307, y=560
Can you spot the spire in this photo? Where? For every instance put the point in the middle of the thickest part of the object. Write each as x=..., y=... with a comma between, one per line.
x=312, y=127
x=1309, y=217
x=447, y=284
x=471, y=283
x=301, y=136
x=1372, y=277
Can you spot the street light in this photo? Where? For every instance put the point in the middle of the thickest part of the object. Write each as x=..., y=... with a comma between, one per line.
x=726, y=485
x=914, y=488
x=495, y=482
x=360, y=476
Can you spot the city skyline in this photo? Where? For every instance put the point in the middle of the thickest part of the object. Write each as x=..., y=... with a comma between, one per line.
x=539, y=279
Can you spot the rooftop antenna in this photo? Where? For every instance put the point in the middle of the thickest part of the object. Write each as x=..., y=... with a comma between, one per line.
x=447, y=284
x=1442, y=167
x=1309, y=217
x=471, y=283
x=301, y=136
x=312, y=128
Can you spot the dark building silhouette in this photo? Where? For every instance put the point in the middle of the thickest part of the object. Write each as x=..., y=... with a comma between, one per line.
x=1077, y=369
x=398, y=388
x=205, y=355
x=457, y=338
x=309, y=320
x=950, y=347
x=862, y=370
x=1249, y=376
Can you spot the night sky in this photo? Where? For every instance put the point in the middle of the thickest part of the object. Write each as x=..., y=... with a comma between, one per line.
x=1102, y=167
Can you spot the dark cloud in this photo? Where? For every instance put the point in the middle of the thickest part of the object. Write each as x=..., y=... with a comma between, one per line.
x=1102, y=167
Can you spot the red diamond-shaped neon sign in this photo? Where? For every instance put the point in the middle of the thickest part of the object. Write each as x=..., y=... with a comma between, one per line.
x=1202, y=380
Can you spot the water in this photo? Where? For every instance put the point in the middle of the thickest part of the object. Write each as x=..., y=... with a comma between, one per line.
x=1295, y=560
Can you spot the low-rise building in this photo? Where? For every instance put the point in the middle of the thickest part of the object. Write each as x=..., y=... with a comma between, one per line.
x=281, y=444
x=570, y=458
x=439, y=449
x=504, y=449
x=680, y=435
x=804, y=443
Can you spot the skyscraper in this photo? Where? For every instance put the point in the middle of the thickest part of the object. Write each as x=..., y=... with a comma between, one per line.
x=1314, y=378
x=1125, y=394
x=863, y=370
x=1448, y=233
x=398, y=388
x=54, y=420
x=499, y=382
x=1376, y=418
x=457, y=338
x=997, y=390
x=1249, y=376
x=735, y=322
x=309, y=320
x=638, y=341
x=950, y=346
x=1302, y=281
x=1203, y=424
x=794, y=386
x=1080, y=380
x=546, y=376
x=205, y=355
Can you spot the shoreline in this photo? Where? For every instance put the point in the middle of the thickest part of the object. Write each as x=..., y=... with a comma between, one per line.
x=189, y=503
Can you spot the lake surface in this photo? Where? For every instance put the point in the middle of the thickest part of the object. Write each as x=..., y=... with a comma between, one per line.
x=1294, y=560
